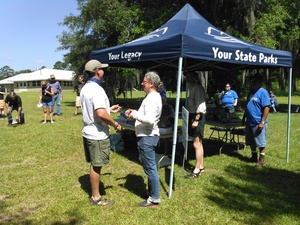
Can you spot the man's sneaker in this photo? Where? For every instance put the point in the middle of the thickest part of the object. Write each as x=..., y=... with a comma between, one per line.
x=148, y=204
x=254, y=158
x=261, y=161
x=102, y=202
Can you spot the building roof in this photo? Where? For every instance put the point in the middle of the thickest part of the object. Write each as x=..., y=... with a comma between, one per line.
x=38, y=75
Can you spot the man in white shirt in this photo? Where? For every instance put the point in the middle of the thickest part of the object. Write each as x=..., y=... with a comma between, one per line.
x=96, y=121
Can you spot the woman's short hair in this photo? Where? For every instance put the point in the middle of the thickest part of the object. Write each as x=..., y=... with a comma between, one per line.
x=155, y=79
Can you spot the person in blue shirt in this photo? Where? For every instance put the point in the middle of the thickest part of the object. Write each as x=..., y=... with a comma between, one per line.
x=229, y=100
x=256, y=117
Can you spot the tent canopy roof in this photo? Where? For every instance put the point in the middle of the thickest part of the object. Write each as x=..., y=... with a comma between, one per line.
x=200, y=44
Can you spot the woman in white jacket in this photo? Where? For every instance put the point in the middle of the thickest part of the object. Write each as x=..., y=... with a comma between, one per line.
x=147, y=132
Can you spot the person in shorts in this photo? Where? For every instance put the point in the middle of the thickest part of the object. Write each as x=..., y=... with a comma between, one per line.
x=197, y=109
x=256, y=117
x=96, y=119
x=46, y=94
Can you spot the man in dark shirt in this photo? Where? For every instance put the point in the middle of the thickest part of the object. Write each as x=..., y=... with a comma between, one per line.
x=14, y=102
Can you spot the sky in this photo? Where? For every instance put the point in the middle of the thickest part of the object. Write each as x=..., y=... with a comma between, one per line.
x=29, y=30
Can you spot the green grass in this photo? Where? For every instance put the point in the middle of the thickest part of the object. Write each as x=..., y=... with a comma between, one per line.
x=44, y=178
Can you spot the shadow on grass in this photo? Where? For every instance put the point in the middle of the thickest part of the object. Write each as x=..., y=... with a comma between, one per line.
x=134, y=184
x=263, y=193
x=86, y=185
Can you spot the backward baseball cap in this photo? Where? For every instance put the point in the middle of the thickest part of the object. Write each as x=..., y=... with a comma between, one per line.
x=94, y=64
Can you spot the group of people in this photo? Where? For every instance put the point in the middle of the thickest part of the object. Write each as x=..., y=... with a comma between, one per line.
x=51, y=94
x=96, y=111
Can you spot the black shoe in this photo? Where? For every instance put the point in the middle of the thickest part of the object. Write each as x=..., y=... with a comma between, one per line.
x=254, y=158
x=148, y=204
x=193, y=175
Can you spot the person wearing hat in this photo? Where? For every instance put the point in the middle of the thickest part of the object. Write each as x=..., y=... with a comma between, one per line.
x=96, y=119
x=57, y=94
x=256, y=117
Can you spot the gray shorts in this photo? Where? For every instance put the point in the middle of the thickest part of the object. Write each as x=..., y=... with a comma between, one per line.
x=97, y=151
x=257, y=138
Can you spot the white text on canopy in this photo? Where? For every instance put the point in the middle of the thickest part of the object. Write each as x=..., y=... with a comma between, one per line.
x=125, y=55
x=243, y=57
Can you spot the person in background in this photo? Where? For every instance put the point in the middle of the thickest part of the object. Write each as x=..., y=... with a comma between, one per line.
x=197, y=109
x=77, y=88
x=163, y=92
x=147, y=132
x=14, y=102
x=273, y=101
x=96, y=124
x=229, y=100
x=2, y=93
x=57, y=97
x=167, y=114
x=256, y=117
x=46, y=94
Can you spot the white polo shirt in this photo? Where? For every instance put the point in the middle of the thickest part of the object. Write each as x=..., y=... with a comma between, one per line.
x=93, y=97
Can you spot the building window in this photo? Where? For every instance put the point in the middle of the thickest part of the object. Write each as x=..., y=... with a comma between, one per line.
x=36, y=83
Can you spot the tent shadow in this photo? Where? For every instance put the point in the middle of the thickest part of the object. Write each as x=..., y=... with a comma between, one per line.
x=275, y=191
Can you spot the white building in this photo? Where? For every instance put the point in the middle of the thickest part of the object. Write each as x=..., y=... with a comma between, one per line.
x=32, y=81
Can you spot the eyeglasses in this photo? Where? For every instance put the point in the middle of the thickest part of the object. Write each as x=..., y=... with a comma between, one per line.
x=227, y=86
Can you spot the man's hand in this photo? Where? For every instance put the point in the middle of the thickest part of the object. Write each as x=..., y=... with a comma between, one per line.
x=115, y=108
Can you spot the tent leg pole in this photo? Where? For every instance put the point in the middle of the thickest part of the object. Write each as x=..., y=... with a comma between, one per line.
x=175, y=125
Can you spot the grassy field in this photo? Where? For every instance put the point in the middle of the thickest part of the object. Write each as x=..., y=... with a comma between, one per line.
x=44, y=178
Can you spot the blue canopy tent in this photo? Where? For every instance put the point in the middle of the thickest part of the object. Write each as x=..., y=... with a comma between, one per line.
x=188, y=42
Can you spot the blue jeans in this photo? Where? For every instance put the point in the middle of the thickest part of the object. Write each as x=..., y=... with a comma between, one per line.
x=56, y=98
x=146, y=146
x=9, y=115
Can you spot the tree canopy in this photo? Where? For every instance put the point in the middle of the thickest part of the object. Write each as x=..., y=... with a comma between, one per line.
x=105, y=23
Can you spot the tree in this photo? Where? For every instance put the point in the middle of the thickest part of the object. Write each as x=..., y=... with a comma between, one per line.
x=23, y=71
x=6, y=72
x=278, y=27
x=60, y=65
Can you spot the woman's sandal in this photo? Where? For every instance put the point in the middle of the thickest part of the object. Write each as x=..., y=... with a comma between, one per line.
x=193, y=175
